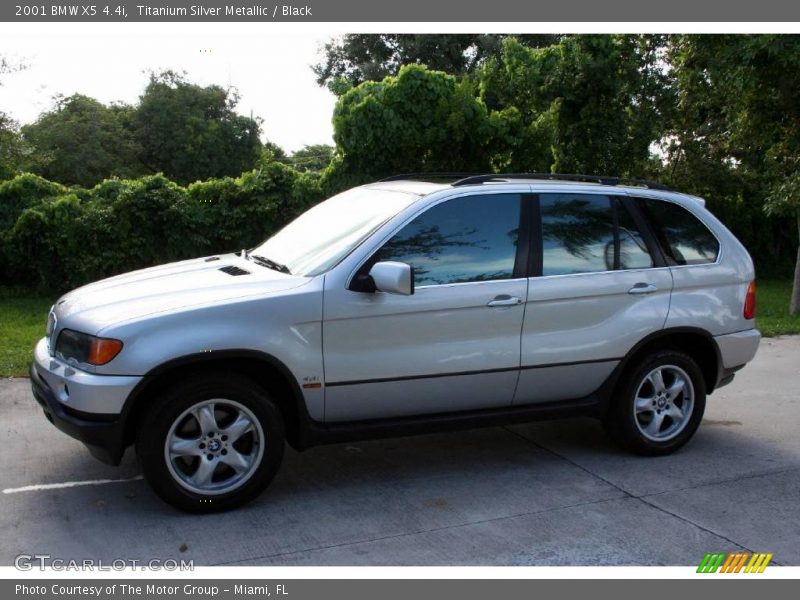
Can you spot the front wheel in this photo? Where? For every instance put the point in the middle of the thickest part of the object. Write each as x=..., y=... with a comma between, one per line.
x=211, y=443
x=658, y=404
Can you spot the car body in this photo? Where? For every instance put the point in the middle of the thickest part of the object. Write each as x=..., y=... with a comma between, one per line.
x=411, y=306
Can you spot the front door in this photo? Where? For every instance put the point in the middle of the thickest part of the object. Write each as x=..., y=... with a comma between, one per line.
x=455, y=343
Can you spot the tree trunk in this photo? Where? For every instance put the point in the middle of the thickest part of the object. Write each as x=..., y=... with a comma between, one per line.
x=794, y=303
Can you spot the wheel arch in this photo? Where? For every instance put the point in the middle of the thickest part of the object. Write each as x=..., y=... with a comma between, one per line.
x=697, y=343
x=266, y=370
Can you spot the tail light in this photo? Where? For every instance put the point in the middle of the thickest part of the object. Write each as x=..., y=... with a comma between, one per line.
x=750, y=301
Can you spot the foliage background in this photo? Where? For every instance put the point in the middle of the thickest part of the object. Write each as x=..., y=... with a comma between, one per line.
x=90, y=190
x=62, y=238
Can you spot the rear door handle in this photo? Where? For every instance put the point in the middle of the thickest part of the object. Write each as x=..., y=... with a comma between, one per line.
x=642, y=288
x=504, y=300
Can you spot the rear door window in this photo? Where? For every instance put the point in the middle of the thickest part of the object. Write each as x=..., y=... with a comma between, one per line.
x=577, y=234
x=589, y=233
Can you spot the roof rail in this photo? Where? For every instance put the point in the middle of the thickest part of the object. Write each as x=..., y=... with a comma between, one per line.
x=430, y=175
x=601, y=179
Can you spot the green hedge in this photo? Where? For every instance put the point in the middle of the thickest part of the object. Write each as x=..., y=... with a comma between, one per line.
x=55, y=238
x=22, y=192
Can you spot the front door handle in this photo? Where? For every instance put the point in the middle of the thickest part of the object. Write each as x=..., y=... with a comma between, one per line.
x=504, y=300
x=642, y=288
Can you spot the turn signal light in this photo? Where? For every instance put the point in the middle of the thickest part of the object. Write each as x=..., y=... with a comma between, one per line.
x=103, y=350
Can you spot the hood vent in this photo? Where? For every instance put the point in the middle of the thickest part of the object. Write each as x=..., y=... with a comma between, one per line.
x=211, y=259
x=234, y=270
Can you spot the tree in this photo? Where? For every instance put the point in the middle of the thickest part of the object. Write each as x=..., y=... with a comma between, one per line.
x=82, y=141
x=740, y=107
x=355, y=58
x=420, y=120
x=270, y=151
x=315, y=157
x=784, y=199
x=614, y=101
x=589, y=104
x=13, y=150
x=191, y=133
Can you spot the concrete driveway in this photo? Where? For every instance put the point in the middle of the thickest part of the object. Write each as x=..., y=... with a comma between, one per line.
x=555, y=493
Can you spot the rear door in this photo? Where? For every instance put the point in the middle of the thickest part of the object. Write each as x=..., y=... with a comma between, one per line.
x=599, y=285
x=451, y=346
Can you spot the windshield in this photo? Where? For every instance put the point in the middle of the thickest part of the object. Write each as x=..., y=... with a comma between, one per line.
x=320, y=237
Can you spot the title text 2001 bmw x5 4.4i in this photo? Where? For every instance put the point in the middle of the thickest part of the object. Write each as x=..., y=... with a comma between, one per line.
x=400, y=307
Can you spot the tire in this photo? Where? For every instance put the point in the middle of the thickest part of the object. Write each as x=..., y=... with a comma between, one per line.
x=648, y=416
x=226, y=441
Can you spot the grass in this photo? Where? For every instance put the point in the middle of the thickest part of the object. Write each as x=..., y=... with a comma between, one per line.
x=23, y=315
x=772, y=308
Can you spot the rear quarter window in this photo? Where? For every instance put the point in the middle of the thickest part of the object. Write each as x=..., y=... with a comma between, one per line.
x=683, y=238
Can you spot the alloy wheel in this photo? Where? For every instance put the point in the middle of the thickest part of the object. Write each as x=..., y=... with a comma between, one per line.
x=214, y=447
x=664, y=403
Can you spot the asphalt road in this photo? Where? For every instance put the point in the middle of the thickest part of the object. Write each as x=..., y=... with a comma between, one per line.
x=555, y=493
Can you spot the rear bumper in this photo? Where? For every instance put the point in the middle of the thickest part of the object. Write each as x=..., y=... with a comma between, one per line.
x=735, y=351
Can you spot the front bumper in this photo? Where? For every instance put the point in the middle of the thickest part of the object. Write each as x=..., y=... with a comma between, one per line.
x=103, y=438
x=83, y=391
x=70, y=399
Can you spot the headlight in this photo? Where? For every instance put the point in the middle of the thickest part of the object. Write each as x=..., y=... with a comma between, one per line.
x=85, y=348
x=51, y=322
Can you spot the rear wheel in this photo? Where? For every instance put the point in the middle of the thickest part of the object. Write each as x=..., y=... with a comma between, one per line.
x=212, y=443
x=658, y=404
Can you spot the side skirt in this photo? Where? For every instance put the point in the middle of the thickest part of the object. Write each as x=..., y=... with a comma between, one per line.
x=316, y=433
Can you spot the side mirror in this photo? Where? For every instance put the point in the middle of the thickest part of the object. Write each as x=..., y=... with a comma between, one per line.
x=393, y=277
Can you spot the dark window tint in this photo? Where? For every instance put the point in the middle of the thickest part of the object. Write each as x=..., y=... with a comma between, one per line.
x=683, y=238
x=633, y=252
x=473, y=238
x=577, y=234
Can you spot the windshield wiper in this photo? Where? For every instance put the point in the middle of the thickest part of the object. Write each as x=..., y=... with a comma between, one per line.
x=270, y=264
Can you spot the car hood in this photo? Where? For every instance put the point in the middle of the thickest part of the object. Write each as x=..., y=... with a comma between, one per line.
x=170, y=287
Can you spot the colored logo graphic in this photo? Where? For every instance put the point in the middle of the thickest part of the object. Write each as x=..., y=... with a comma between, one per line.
x=735, y=562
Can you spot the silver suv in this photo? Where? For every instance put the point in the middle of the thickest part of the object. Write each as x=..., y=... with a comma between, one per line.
x=401, y=307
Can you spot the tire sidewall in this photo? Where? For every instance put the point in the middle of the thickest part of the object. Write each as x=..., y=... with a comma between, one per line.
x=171, y=404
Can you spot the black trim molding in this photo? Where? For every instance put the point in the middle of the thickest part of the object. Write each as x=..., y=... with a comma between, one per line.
x=467, y=373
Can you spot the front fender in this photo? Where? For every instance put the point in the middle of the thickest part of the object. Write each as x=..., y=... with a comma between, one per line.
x=286, y=326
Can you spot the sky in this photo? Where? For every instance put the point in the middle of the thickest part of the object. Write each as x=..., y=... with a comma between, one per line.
x=271, y=72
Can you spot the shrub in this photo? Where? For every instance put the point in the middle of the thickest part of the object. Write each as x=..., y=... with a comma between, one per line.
x=76, y=236
x=42, y=242
x=24, y=191
x=420, y=120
